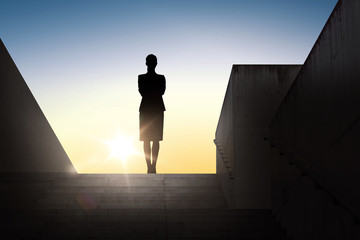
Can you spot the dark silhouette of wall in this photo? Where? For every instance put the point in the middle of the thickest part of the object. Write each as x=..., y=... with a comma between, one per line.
x=315, y=191
x=253, y=95
x=27, y=142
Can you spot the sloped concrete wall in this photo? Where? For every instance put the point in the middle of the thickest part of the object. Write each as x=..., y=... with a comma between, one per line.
x=253, y=95
x=27, y=142
x=317, y=128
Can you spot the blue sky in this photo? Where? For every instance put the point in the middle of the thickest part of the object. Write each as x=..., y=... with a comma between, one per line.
x=81, y=58
x=112, y=37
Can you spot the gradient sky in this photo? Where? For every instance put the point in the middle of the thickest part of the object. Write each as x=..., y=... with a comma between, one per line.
x=81, y=60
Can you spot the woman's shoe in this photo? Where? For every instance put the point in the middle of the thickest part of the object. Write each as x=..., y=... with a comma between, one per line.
x=151, y=169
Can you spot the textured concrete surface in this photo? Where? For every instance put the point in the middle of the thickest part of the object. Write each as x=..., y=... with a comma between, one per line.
x=136, y=206
x=305, y=209
x=317, y=128
x=253, y=95
x=27, y=142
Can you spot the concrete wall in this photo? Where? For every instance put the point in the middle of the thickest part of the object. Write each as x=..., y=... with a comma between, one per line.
x=304, y=209
x=253, y=95
x=224, y=141
x=317, y=128
x=27, y=142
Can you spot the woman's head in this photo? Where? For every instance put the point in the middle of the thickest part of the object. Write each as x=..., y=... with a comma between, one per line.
x=151, y=61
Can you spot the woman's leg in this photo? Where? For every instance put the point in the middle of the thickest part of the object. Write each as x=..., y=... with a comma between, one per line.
x=147, y=151
x=155, y=153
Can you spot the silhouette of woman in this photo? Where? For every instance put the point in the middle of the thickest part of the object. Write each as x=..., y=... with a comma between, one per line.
x=151, y=87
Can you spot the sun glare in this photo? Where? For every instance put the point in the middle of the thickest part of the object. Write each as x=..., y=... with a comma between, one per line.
x=121, y=147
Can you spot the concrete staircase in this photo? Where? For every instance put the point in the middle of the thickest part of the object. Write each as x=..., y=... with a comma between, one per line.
x=119, y=206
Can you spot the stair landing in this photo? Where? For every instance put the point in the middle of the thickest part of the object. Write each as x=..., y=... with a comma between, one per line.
x=125, y=206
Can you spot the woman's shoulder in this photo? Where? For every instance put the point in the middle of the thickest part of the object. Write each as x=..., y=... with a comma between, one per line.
x=159, y=76
x=142, y=78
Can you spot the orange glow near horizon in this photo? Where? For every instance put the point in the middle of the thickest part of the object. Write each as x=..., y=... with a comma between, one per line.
x=100, y=133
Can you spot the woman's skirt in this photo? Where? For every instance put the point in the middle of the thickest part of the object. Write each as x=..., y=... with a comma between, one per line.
x=151, y=126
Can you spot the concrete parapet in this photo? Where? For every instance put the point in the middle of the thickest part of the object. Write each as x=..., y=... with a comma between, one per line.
x=27, y=142
x=317, y=128
x=253, y=95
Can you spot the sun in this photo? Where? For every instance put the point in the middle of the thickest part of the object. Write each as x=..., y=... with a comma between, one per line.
x=121, y=147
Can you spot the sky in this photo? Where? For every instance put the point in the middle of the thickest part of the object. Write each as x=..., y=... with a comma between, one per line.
x=81, y=60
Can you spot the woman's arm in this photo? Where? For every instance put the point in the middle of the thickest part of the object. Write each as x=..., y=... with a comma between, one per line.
x=141, y=87
x=163, y=85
